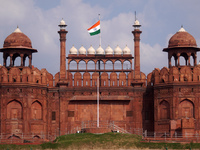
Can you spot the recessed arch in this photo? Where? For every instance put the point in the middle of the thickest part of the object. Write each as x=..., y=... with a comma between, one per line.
x=36, y=110
x=14, y=110
x=164, y=110
x=186, y=109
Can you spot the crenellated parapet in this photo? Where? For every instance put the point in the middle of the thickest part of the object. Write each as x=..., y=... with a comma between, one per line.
x=174, y=74
x=26, y=75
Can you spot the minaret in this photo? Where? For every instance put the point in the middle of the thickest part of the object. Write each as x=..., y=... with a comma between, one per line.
x=136, y=34
x=62, y=34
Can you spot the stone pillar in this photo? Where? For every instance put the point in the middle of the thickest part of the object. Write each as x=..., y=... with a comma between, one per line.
x=136, y=34
x=22, y=58
x=30, y=60
x=11, y=60
x=169, y=60
x=195, y=59
x=178, y=56
x=4, y=59
x=62, y=34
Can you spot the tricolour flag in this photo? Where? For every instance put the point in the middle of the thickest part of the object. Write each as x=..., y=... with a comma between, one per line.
x=95, y=29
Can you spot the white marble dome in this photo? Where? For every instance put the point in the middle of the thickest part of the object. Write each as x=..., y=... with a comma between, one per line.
x=118, y=50
x=109, y=51
x=126, y=50
x=73, y=50
x=136, y=22
x=82, y=50
x=62, y=22
x=100, y=51
x=91, y=50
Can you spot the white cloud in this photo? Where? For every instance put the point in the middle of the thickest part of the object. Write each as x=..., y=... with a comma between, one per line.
x=152, y=57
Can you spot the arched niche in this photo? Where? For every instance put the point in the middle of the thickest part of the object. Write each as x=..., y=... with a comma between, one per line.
x=186, y=109
x=126, y=65
x=14, y=110
x=104, y=79
x=117, y=65
x=95, y=76
x=77, y=79
x=108, y=65
x=164, y=108
x=73, y=65
x=36, y=110
x=113, y=79
x=122, y=79
x=90, y=65
x=82, y=65
x=86, y=79
x=164, y=75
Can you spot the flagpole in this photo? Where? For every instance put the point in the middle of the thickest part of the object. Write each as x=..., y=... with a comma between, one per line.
x=99, y=34
x=97, y=102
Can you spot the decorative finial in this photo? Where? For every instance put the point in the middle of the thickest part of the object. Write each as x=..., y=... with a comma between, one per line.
x=62, y=24
x=136, y=23
x=135, y=16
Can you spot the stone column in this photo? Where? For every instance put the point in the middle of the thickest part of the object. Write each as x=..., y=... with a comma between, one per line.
x=136, y=34
x=62, y=34
x=22, y=58
x=11, y=60
x=30, y=60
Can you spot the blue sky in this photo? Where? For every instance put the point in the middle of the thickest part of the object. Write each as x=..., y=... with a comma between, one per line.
x=39, y=20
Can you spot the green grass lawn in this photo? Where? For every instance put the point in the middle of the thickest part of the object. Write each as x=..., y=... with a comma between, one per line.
x=101, y=141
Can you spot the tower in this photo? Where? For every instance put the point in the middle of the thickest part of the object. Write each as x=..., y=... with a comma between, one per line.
x=62, y=33
x=136, y=34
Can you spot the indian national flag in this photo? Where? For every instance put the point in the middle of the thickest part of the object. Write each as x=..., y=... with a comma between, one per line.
x=95, y=29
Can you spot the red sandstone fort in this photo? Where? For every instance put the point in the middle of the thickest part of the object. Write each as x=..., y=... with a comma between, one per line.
x=38, y=105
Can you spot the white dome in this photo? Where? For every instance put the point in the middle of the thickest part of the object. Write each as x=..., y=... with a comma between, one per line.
x=136, y=22
x=62, y=22
x=73, y=50
x=91, y=50
x=82, y=50
x=109, y=50
x=100, y=50
x=126, y=50
x=118, y=50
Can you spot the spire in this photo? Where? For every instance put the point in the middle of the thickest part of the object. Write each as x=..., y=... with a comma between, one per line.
x=136, y=23
x=17, y=30
x=182, y=29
